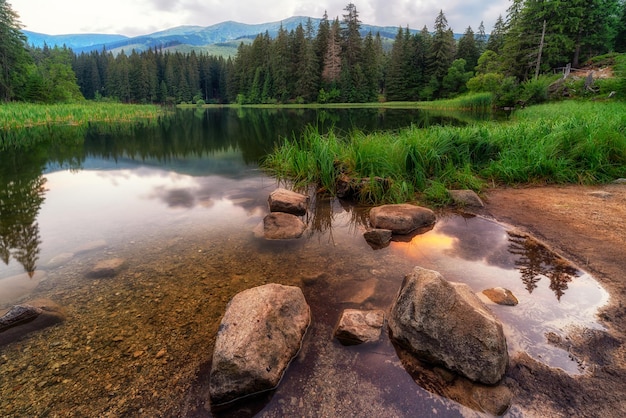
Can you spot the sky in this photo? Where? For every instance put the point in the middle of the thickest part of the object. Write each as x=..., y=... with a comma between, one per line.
x=141, y=17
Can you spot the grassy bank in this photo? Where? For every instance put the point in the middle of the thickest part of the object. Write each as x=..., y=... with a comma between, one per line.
x=22, y=124
x=27, y=115
x=567, y=142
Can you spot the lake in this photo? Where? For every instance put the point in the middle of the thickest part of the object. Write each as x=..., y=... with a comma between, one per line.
x=176, y=203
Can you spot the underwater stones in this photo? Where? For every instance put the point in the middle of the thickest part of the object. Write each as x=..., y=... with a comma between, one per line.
x=260, y=333
x=501, y=296
x=107, y=268
x=445, y=323
x=466, y=198
x=28, y=317
x=90, y=246
x=377, y=238
x=19, y=286
x=283, y=200
x=402, y=218
x=357, y=327
x=279, y=225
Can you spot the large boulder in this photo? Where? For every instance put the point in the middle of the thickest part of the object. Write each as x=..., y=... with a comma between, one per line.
x=283, y=200
x=401, y=219
x=260, y=333
x=445, y=323
x=280, y=225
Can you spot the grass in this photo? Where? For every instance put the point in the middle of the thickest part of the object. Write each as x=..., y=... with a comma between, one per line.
x=567, y=142
x=22, y=124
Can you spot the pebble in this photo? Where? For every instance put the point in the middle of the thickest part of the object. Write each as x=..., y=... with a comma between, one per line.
x=161, y=353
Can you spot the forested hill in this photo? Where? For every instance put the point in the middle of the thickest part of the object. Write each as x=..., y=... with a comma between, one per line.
x=225, y=35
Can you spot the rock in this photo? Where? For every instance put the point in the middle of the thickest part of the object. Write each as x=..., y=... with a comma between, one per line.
x=18, y=314
x=378, y=238
x=495, y=400
x=17, y=287
x=90, y=246
x=32, y=316
x=357, y=327
x=60, y=259
x=359, y=292
x=467, y=198
x=401, y=219
x=280, y=225
x=620, y=181
x=283, y=200
x=445, y=323
x=501, y=296
x=107, y=268
x=260, y=333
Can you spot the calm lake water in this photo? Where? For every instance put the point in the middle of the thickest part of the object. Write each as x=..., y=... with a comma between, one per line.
x=177, y=202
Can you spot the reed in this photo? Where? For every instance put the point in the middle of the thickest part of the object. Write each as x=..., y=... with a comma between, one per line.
x=567, y=142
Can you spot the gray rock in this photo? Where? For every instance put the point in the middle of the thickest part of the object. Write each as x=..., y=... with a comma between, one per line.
x=260, y=333
x=445, y=323
x=620, y=181
x=601, y=194
x=31, y=316
x=357, y=327
x=378, y=238
x=401, y=219
x=107, y=268
x=283, y=200
x=467, y=198
x=501, y=296
x=279, y=225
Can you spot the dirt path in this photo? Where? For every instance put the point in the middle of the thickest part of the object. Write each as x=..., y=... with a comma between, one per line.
x=588, y=226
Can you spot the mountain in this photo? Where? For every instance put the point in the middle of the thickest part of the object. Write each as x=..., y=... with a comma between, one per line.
x=219, y=39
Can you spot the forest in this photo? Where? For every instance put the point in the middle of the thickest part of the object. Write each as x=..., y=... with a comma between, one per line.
x=332, y=63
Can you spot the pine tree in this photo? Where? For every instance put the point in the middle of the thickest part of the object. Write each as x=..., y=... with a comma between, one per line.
x=332, y=59
x=442, y=52
x=496, y=38
x=14, y=60
x=467, y=49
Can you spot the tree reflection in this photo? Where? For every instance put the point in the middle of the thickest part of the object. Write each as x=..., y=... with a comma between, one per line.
x=536, y=261
x=20, y=200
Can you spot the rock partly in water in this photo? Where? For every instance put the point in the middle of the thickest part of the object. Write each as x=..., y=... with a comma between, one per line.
x=23, y=319
x=401, y=219
x=466, y=198
x=107, y=268
x=445, y=323
x=357, y=327
x=59, y=259
x=260, y=333
x=16, y=288
x=279, y=225
x=501, y=296
x=378, y=238
x=283, y=200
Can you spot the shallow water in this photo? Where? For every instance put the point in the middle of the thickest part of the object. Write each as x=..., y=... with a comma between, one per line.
x=139, y=343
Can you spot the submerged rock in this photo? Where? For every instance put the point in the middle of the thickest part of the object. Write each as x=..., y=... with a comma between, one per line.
x=445, y=323
x=283, y=200
x=501, y=296
x=107, y=268
x=401, y=219
x=260, y=333
x=23, y=319
x=357, y=327
x=378, y=238
x=279, y=225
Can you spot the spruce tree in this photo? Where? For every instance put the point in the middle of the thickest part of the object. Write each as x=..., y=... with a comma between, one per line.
x=14, y=59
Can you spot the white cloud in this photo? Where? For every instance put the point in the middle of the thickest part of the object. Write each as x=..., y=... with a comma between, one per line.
x=146, y=16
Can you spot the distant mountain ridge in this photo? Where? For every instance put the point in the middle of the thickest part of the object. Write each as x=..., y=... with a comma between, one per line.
x=225, y=34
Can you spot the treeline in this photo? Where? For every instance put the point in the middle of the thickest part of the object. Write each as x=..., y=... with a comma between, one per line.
x=331, y=63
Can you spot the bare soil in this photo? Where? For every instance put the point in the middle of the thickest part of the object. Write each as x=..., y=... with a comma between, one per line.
x=587, y=225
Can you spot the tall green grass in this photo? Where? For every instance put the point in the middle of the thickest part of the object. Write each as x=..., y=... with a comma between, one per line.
x=22, y=124
x=567, y=142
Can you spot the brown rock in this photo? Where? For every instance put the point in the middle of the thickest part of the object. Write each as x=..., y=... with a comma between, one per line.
x=107, y=268
x=357, y=327
x=261, y=331
x=283, y=200
x=44, y=313
x=401, y=219
x=280, y=225
x=378, y=238
x=501, y=296
x=467, y=198
x=445, y=323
